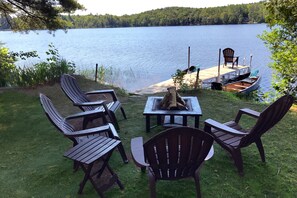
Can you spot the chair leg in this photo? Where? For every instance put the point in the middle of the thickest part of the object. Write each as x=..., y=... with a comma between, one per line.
x=152, y=183
x=114, y=120
x=197, y=182
x=86, y=177
x=123, y=153
x=236, y=155
x=117, y=179
x=261, y=149
x=123, y=112
x=99, y=173
x=75, y=166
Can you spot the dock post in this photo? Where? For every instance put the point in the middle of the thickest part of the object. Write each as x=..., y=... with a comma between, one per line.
x=197, y=78
x=219, y=66
x=96, y=72
x=189, y=52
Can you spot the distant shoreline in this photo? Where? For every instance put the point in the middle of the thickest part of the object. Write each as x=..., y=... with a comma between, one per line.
x=171, y=16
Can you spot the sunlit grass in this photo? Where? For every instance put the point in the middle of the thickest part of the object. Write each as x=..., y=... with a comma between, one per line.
x=32, y=162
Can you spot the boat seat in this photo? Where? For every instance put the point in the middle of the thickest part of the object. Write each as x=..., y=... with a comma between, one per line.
x=249, y=80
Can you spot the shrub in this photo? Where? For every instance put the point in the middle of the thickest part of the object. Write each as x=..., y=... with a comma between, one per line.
x=45, y=72
x=7, y=66
x=178, y=77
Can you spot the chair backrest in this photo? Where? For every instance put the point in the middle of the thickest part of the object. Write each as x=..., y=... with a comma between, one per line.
x=177, y=152
x=268, y=118
x=228, y=54
x=56, y=119
x=70, y=87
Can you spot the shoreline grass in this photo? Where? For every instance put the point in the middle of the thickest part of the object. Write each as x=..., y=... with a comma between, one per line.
x=32, y=162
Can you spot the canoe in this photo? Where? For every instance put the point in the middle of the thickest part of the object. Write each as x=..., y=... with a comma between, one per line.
x=243, y=86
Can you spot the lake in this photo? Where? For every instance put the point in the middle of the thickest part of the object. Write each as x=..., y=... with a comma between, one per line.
x=142, y=56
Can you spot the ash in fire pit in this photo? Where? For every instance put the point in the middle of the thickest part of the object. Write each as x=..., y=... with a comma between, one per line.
x=173, y=101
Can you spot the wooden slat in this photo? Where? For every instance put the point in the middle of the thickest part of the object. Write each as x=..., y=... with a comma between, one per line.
x=92, y=149
x=109, y=146
x=72, y=152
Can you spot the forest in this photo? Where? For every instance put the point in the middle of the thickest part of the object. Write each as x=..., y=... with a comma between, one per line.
x=171, y=16
x=177, y=16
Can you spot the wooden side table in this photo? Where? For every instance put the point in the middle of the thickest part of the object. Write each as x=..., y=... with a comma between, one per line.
x=96, y=149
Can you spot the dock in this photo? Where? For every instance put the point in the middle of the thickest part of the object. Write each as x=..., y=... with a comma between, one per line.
x=207, y=76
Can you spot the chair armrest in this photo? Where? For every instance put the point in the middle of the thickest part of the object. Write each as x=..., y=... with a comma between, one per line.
x=83, y=114
x=219, y=126
x=100, y=91
x=138, y=152
x=114, y=131
x=105, y=91
x=97, y=103
x=248, y=112
x=86, y=132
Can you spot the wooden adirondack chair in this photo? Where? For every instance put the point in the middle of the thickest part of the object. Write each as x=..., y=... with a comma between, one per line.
x=76, y=136
x=232, y=137
x=229, y=57
x=173, y=154
x=109, y=104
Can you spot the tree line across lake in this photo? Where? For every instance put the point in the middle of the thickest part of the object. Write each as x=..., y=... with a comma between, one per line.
x=172, y=16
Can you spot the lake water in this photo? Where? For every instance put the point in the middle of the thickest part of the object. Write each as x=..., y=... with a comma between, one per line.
x=143, y=56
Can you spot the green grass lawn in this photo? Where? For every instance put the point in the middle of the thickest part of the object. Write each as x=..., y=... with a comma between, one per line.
x=32, y=162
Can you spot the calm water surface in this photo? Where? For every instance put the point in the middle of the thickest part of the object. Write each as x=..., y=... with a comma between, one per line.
x=146, y=55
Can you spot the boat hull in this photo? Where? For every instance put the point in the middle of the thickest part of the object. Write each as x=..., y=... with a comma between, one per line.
x=244, y=86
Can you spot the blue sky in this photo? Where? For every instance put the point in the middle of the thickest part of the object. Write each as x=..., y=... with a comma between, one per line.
x=121, y=7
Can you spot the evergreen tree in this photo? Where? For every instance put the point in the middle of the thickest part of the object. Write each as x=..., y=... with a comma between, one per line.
x=23, y=15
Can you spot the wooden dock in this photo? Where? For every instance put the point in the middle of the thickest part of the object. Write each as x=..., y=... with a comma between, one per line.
x=206, y=76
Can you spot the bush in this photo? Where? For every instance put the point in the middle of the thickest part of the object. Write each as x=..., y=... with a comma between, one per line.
x=6, y=66
x=45, y=72
x=178, y=77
